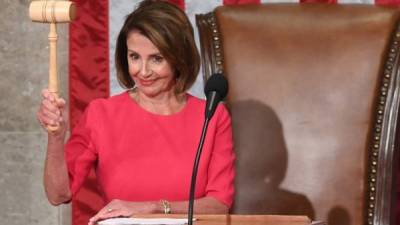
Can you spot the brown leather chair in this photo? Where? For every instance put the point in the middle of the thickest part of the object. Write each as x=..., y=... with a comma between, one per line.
x=314, y=96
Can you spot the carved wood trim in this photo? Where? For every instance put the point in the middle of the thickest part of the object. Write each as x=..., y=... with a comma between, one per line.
x=210, y=44
x=384, y=141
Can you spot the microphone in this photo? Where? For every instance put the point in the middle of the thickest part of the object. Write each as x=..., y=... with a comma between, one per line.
x=215, y=90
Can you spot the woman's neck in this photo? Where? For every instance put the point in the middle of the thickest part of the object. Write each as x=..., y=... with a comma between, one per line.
x=165, y=104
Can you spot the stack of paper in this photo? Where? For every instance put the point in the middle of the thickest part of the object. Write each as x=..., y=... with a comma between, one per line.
x=134, y=221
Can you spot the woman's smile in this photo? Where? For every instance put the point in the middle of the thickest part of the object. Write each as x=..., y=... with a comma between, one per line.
x=146, y=82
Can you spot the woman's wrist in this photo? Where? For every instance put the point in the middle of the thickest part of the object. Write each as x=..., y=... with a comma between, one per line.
x=56, y=137
x=149, y=207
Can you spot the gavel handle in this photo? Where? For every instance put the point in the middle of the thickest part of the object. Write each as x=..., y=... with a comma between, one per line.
x=53, y=78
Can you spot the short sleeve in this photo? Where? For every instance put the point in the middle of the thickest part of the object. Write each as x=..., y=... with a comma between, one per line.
x=80, y=152
x=221, y=171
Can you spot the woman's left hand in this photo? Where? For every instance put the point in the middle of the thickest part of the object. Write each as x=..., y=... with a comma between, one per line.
x=119, y=208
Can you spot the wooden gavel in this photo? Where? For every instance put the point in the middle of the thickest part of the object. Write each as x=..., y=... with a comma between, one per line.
x=52, y=12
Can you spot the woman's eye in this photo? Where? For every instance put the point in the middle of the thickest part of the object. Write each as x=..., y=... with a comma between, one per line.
x=158, y=59
x=134, y=56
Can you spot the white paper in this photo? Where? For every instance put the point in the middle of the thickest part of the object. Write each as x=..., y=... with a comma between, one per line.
x=132, y=221
x=318, y=223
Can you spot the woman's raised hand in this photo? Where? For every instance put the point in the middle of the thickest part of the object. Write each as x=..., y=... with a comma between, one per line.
x=52, y=114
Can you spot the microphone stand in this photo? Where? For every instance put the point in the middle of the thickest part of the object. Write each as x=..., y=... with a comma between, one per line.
x=194, y=172
x=216, y=89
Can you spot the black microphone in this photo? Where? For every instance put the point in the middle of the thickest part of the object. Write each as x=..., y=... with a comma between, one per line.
x=215, y=90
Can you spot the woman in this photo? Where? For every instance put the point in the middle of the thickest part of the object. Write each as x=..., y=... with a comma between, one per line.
x=143, y=141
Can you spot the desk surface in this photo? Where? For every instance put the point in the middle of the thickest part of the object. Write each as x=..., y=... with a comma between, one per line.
x=240, y=219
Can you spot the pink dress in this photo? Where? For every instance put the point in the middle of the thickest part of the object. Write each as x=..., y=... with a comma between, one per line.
x=141, y=156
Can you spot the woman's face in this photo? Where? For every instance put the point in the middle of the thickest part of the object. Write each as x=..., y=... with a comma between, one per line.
x=152, y=74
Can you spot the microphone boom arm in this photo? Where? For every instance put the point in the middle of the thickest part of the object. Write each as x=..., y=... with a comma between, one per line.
x=194, y=172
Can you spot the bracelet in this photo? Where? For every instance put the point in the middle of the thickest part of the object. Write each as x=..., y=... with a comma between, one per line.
x=166, y=205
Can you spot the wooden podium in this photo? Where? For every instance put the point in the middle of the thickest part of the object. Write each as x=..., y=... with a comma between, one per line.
x=233, y=219
x=251, y=220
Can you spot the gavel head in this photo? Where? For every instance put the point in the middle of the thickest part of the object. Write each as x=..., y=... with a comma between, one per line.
x=52, y=11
